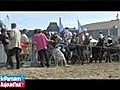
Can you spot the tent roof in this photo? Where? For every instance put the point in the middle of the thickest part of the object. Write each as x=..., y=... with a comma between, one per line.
x=53, y=27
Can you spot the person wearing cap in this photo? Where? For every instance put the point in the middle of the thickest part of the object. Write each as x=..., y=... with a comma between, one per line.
x=25, y=44
x=40, y=40
x=109, y=41
x=101, y=36
x=14, y=47
x=67, y=36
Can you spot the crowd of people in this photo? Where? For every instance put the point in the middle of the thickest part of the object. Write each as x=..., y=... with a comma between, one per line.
x=17, y=44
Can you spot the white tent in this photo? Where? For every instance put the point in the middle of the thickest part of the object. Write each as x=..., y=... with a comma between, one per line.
x=93, y=40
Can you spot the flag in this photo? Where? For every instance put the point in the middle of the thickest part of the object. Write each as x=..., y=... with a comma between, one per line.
x=7, y=17
x=79, y=27
x=60, y=25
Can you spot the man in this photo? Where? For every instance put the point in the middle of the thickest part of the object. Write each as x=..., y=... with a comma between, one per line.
x=25, y=44
x=74, y=38
x=93, y=41
x=85, y=38
x=14, y=47
x=5, y=41
x=40, y=40
x=67, y=36
x=109, y=44
x=101, y=36
x=58, y=39
x=109, y=41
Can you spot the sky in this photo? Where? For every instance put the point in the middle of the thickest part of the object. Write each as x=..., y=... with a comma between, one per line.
x=32, y=20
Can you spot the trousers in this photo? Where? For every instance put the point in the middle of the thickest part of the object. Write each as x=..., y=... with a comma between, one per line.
x=43, y=57
x=14, y=57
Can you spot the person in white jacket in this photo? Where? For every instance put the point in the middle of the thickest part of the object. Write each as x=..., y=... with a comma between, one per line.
x=67, y=36
x=109, y=41
x=14, y=47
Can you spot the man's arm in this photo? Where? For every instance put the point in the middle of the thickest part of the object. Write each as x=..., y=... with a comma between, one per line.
x=48, y=40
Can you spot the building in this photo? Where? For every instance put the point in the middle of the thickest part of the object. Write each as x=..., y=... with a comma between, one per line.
x=111, y=28
x=53, y=27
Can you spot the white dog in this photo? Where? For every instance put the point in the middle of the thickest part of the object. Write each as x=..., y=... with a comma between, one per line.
x=59, y=56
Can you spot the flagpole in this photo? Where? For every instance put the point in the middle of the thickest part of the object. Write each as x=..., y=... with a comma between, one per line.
x=7, y=21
